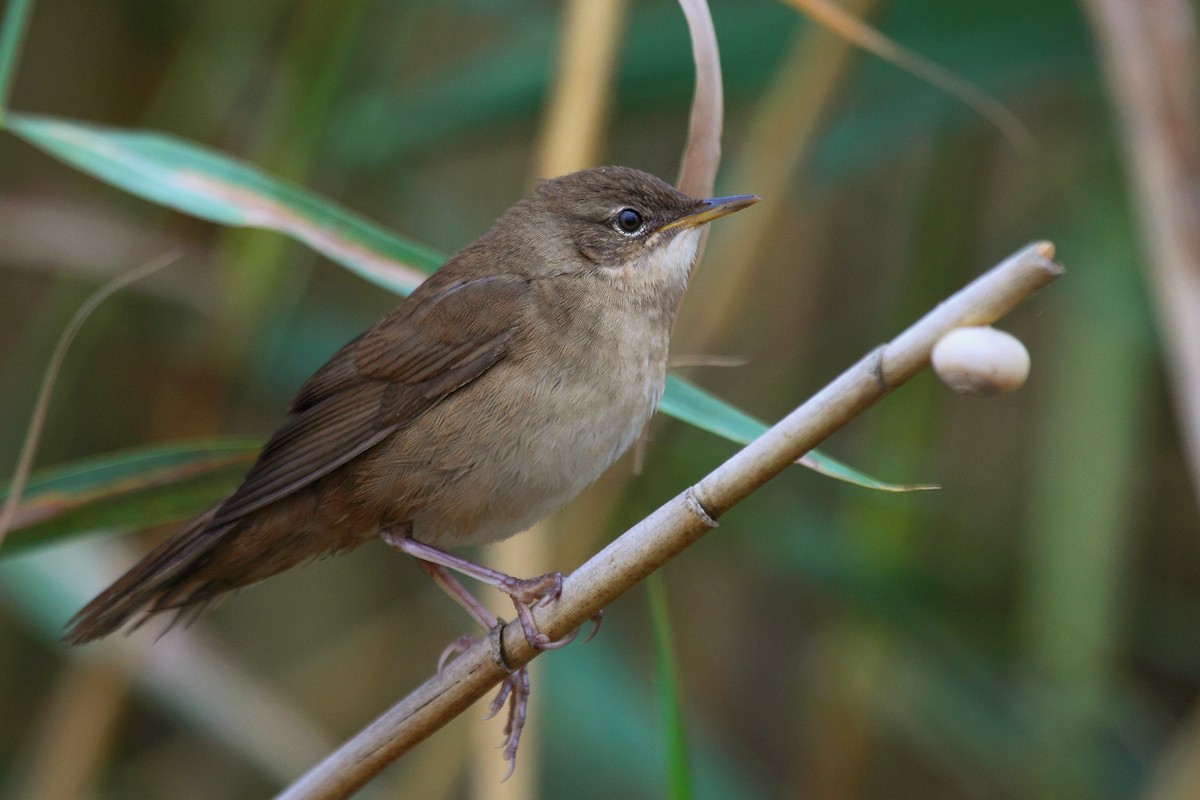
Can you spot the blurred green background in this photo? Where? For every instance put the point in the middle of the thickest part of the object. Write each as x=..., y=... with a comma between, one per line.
x=1030, y=630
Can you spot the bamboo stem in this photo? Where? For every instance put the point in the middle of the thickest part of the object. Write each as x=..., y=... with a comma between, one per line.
x=1149, y=52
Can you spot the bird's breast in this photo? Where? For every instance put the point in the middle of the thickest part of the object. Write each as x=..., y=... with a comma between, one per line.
x=539, y=427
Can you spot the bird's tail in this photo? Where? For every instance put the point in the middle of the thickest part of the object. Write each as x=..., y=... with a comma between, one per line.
x=165, y=579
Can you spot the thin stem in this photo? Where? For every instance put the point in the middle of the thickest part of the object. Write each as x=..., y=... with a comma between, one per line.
x=679, y=777
x=33, y=433
x=1149, y=52
x=850, y=28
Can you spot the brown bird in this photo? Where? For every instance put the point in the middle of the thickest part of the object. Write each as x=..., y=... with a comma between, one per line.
x=504, y=385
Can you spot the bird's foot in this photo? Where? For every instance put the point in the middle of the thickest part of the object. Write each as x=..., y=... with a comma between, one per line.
x=515, y=688
x=528, y=593
x=515, y=691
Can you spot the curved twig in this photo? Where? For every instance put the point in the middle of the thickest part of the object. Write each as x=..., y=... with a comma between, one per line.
x=702, y=153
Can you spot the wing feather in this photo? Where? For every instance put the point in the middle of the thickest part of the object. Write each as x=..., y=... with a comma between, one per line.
x=430, y=347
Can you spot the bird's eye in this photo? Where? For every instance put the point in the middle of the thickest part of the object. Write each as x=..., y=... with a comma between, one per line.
x=628, y=220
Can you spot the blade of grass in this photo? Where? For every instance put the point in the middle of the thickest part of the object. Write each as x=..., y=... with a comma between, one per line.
x=598, y=707
x=848, y=27
x=12, y=31
x=196, y=180
x=686, y=401
x=34, y=432
x=130, y=489
x=679, y=777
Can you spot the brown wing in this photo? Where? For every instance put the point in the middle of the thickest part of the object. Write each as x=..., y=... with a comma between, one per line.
x=432, y=345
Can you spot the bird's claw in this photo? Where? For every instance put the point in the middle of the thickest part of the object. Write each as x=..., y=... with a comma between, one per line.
x=515, y=691
x=455, y=648
x=539, y=591
x=530, y=593
x=596, y=619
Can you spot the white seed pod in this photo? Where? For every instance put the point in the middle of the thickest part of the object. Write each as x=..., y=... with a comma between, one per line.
x=980, y=361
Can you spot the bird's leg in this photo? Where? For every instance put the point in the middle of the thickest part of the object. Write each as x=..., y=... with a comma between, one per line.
x=514, y=688
x=525, y=592
x=461, y=596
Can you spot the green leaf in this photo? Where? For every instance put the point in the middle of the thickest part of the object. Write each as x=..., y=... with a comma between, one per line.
x=688, y=402
x=12, y=31
x=134, y=488
x=666, y=672
x=196, y=180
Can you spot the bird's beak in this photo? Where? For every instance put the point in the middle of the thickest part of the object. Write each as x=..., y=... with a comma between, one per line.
x=710, y=209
